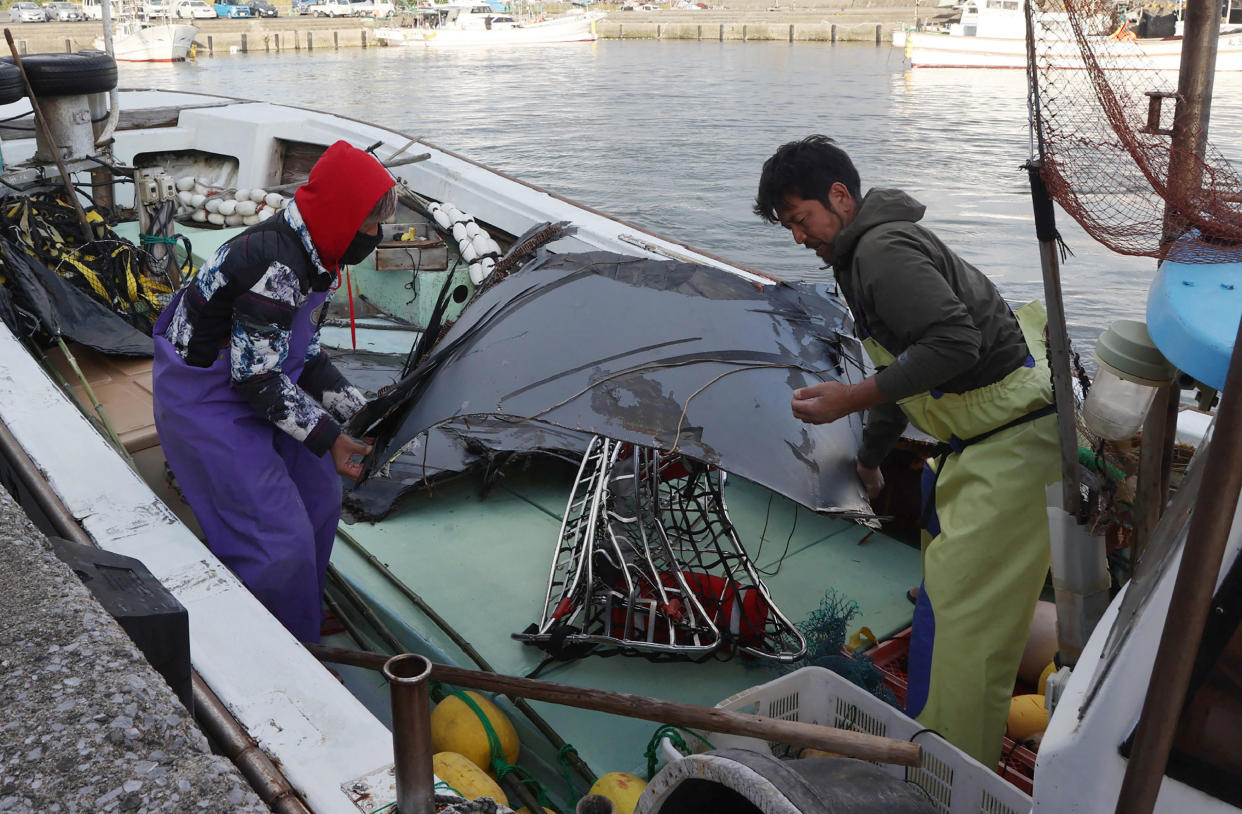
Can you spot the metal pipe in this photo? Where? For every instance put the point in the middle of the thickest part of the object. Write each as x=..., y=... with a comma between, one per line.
x=408, y=675
x=1200, y=38
x=211, y=714
x=1058, y=338
x=240, y=748
x=104, y=136
x=1210, y=525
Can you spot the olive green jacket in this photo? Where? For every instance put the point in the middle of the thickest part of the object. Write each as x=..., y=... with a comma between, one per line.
x=946, y=323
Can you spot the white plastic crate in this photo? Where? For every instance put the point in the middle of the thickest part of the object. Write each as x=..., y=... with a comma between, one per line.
x=955, y=782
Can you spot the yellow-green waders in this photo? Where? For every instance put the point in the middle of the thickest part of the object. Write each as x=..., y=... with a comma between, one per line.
x=985, y=546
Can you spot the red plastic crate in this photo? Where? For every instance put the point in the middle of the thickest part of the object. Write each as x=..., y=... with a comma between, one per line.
x=1017, y=763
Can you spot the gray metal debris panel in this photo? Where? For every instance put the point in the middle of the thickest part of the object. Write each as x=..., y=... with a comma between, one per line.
x=670, y=355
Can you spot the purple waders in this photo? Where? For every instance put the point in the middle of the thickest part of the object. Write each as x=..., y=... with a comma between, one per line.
x=268, y=506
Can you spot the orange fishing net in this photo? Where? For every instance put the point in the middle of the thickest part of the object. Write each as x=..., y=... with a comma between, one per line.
x=1093, y=75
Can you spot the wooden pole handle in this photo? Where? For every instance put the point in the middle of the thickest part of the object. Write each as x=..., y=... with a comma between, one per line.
x=795, y=733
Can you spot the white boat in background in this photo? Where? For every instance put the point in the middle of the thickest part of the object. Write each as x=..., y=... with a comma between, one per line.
x=479, y=24
x=992, y=34
x=162, y=42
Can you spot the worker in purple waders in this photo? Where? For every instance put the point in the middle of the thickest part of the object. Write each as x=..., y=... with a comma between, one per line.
x=249, y=408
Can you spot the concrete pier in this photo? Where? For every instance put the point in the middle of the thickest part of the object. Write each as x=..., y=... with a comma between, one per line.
x=87, y=724
x=869, y=21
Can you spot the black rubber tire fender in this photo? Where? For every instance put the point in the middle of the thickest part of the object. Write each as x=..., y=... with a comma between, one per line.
x=68, y=74
x=11, y=86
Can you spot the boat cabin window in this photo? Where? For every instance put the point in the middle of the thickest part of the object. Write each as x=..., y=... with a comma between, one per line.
x=481, y=10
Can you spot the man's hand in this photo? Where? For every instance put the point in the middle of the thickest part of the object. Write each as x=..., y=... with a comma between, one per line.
x=822, y=403
x=344, y=448
x=871, y=478
x=826, y=402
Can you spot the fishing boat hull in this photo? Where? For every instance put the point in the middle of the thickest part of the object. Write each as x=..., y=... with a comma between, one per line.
x=547, y=32
x=161, y=43
x=934, y=50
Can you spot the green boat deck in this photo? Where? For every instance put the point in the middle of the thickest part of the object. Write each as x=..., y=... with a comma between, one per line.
x=483, y=563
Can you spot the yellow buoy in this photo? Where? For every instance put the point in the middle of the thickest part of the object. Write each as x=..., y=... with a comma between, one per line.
x=1043, y=677
x=1027, y=717
x=459, y=773
x=622, y=788
x=456, y=728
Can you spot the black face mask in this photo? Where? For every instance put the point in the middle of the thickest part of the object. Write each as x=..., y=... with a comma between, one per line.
x=361, y=246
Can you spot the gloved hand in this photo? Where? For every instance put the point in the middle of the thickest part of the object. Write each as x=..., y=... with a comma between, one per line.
x=344, y=448
x=871, y=479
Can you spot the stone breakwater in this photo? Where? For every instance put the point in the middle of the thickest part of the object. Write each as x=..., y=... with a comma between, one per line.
x=872, y=24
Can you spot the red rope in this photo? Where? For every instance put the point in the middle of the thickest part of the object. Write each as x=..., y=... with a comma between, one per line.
x=353, y=332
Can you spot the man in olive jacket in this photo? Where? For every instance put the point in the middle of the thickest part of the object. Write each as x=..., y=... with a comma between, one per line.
x=955, y=360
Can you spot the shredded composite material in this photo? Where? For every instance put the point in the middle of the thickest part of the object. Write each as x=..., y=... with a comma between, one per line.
x=670, y=355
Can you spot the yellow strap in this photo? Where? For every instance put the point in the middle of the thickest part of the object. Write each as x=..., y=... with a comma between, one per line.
x=862, y=639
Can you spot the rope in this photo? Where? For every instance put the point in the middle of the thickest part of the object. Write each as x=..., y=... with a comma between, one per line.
x=672, y=733
x=499, y=763
x=562, y=758
x=108, y=269
x=147, y=240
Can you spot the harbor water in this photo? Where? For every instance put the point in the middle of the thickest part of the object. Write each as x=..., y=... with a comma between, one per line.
x=671, y=135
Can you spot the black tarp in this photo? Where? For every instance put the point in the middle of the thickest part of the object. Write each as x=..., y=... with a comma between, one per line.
x=657, y=353
x=62, y=310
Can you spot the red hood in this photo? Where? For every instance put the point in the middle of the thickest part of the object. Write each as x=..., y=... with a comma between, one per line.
x=343, y=187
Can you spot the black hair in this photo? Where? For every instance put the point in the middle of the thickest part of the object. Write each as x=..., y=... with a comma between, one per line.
x=807, y=168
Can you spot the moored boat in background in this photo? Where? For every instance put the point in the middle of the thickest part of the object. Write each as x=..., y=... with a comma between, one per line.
x=478, y=24
x=137, y=40
x=992, y=34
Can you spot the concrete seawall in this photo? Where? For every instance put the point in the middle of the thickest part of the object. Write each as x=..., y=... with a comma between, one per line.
x=878, y=33
x=296, y=33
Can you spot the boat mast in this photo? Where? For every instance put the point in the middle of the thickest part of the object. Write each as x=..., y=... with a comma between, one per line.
x=1216, y=502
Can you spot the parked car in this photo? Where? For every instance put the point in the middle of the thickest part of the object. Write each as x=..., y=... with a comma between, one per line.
x=154, y=9
x=93, y=9
x=194, y=10
x=303, y=6
x=383, y=8
x=262, y=8
x=332, y=8
x=232, y=8
x=60, y=11
x=648, y=7
x=362, y=8
x=26, y=13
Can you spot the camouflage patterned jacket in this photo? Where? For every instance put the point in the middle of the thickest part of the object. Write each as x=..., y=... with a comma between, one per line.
x=243, y=301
